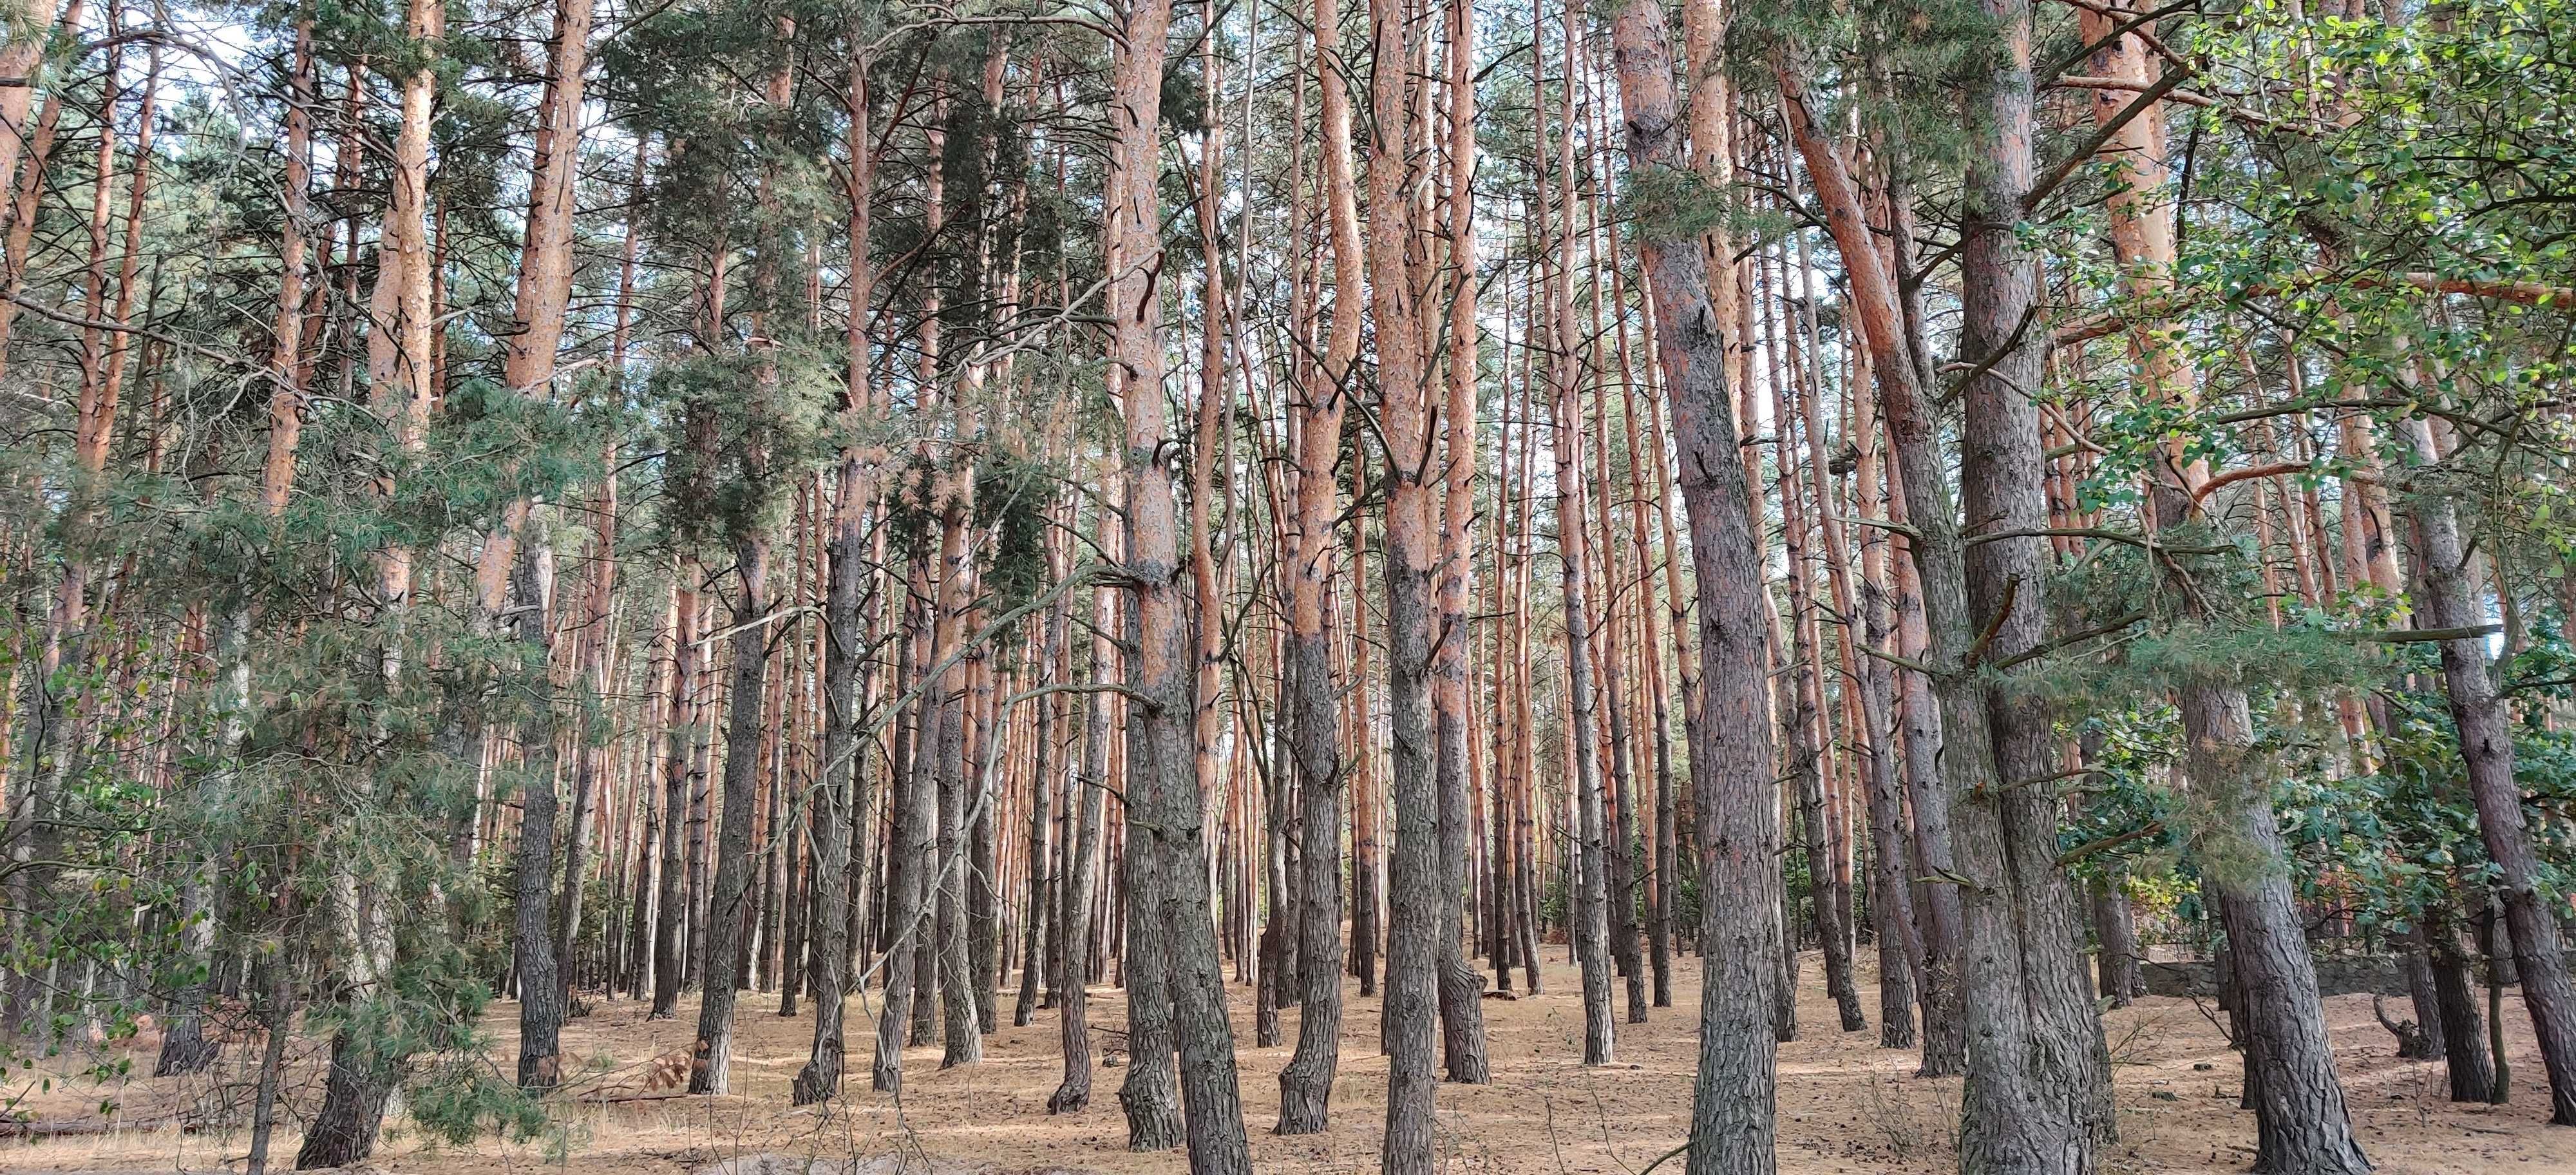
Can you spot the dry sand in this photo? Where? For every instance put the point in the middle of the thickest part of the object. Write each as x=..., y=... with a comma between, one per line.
x=1845, y=1104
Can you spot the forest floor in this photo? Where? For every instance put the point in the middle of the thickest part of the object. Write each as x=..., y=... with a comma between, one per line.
x=1845, y=1104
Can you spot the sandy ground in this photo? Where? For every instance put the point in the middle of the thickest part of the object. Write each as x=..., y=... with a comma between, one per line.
x=1845, y=1104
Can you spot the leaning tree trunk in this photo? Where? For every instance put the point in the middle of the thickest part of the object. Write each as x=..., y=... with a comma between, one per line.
x=2486, y=746
x=2301, y=1122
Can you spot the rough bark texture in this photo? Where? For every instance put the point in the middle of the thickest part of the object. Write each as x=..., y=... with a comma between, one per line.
x=528, y=366
x=1396, y=258
x=962, y=1040
x=1074, y=1002
x=2302, y=1123
x=983, y=899
x=2116, y=976
x=841, y=799
x=670, y=912
x=2486, y=745
x=1731, y=749
x=728, y=912
x=2464, y=1033
x=363, y=1076
x=186, y=1048
x=2003, y=490
x=1588, y=930
x=1315, y=734
x=914, y=817
x=2016, y=1114
x=1462, y=986
x=1945, y=1039
x=541, y=997
x=1164, y=815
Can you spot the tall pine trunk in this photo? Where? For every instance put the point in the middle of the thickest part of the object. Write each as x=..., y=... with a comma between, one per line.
x=363, y=1072
x=1315, y=733
x=1168, y=905
x=1462, y=1016
x=841, y=796
x=1731, y=750
x=1589, y=928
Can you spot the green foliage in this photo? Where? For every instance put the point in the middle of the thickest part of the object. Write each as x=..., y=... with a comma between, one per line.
x=1675, y=203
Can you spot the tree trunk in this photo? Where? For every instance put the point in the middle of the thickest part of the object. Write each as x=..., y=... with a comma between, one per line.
x=1164, y=813
x=670, y=915
x=1731, y=749
x=1396, y=245
x=2486, y=746
x=27, y=183
x=1074, y=1092
x=2301, y=1123
x=1036, y=913
x=2017, y=1114
x=185, y=1049
x=1462, y=986
x=1901, y=961
x=2003, y=489
x=1803, y=686
x=1588, y=930
x=915, y=816
x=982, y=912
x=541, y=1003
x=2117, y=979
x=945, y=711
x=1315, y=734
x=2428, y=1042
x=2464, y=1032
x=23, y=58
x=729, y=911
x=842, y=788
x=1945, y=1041
x=363, y=1073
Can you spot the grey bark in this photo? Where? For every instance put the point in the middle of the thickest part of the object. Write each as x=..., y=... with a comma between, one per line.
x=841, y=791
x=1306, y=1084
x=2302, y=1122
x=728, y=910
x=2003, y=483
x=1734, y=1098
x=541, y=998
x=1074, y=961
x=2464, y=1032
x=2486, y=748
x=679, y=761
